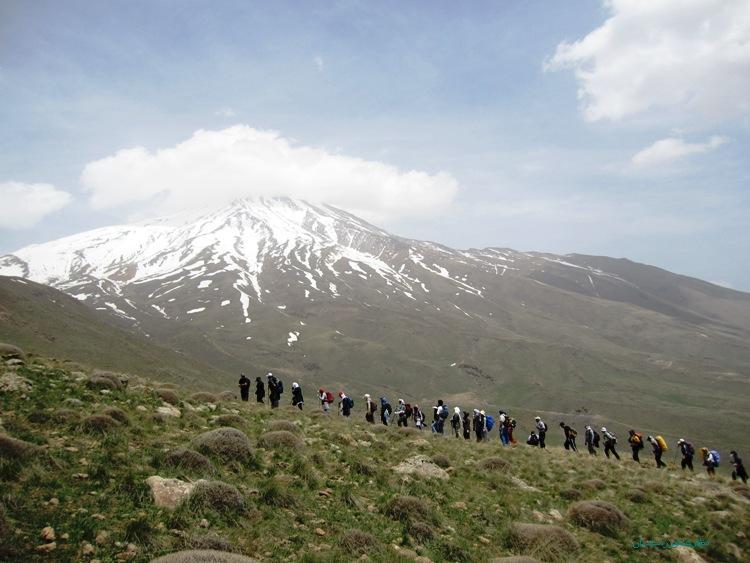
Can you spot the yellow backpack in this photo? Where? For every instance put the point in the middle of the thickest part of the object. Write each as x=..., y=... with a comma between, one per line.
x=662, y=443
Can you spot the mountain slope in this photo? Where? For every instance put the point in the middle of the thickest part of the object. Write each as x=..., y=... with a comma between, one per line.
x=315, y=294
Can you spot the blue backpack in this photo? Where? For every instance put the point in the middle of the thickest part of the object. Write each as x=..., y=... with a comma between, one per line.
x=490, y=422
x=716, y=455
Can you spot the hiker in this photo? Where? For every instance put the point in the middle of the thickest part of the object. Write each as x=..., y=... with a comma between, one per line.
x=635, y=439
x=260, y=390
x=440, y=414
x=345, y=404
x=466, y=422
x=297, y=399
x=326, y=398
x=385, y=411
x=533, y=439
x=456, y=421
x=244, y=387
x=372, y=407
x=688, y=451
x=275, y=389
x=484, y=425
x=738, y=470
x=502, y=421
x=478, y=424
x=418, y=416
x=401, y=416
x=658, y=451
x=589, y=440
x=541, y=427
x=570, y=437
x=710, y=460
x=511, y=422
x=610, y=441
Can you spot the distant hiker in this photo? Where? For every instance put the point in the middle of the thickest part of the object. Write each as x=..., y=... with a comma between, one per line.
x=503, y=425
x=345, y=404
x=297, y=399
x=371, y=408
x=688, y=451
x=738, y=469
x=260, y=390
x=588, y=439
x=244, y=387
x=610, y=441
x=570, y=437
x=466, y=422
x=487, y=425
x=385, y=411
x=478, y=425
x=658, y=451
x=541, y=427
x=418, y=417
x=326, y=398
x=710, y=460
x=456, y=421
x=511, y=422
x=533, y=439
x=275, y=389
x=440, y=412
x=635, y=439
x=402, y=416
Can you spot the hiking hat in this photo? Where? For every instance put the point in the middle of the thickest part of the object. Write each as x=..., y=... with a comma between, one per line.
x=481, y=412
x=537, y=418
x=295, y=385
x=681, y=441
x=457, y=410
x=367, y=395
x=604, y=429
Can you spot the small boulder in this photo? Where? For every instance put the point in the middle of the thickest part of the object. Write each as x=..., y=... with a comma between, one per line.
x=169, y=493
x=167, y=410
x=422, y=467
x=687, y=555
x=12, y=383
x=598, y=516
x=9, y=351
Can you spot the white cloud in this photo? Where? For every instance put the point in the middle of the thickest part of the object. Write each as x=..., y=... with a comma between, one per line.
x=214, y=167
x=226, y=112
x=24, y=205
x=684, y=55
x=318, y=60
x=666, y=151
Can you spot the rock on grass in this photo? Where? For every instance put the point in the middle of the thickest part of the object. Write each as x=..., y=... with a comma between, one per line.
x=421, y=466
x=280, y=439
x=358, y=542
x=217, y=495
x=168, y=493
x=9, y=351
x=228, y=444
x=598, y=516
x=204, y=556
x=547, y=542
x=12, y=448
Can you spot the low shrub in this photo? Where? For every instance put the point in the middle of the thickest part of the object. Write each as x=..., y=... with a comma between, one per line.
x=99, y=423
x=203, y=556
x=280, y=439
x=217, y=495
x=359, y=542
x=168, y=396
x=547, y=542
x=598, y=516
x=228, y=444
x=11, y=448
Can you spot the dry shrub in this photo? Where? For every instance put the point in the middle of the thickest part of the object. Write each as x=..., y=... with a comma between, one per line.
x=226, y=443
x=118, y=380
x=202, y=397
x=571, y=494
x=441, y=460
x=654, y=487
x=65, y=415
x=407, y=508
x=210, y=541
x=637, y=495
x=189, y=460
x=227, y=396
x=548, y=542
x=73, y=402
x=8, y=351
x=11, y=448
x=362, y=468
x=99, y=423
x=408, y=430
x=742, y=490
x=358, y=542
x=273, y=493
x=117, y=413
x=420, y=530
x=379, y=429
x=514, y=559
x=594, y=484
x=493, y=464
x=168, y=396
x=280, y=439
x=98, y=382
x=287, y=425
x=598, y=516
x=5, y=528
x=232, y=420
x=217, y=495
x=204, y=556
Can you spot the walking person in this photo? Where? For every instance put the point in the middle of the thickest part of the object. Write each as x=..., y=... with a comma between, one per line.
x=511, y=427
x=275, y=389
x=418, y=417
x=738, y=469
x=297, y=400
x=658, y=451
x=326, y=398
x=590, y=441
x=371, y=408
x=541, y=428
x=570, y=437
x=244, y=387
x=402, y=418
x=385, y=411
x=456, y=421
x=688, y=451
x=260, y=390
x=478, y=425
x=635, y=439
x=503, y=428
x=710, y=461
x=440, y=415
x=466, y=422
x=610, y=441
x=345, y=404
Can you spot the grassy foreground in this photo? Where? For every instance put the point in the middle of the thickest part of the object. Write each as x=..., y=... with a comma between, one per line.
x=74, y=461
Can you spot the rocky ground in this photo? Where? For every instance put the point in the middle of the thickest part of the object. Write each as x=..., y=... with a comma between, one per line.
x=98, y=466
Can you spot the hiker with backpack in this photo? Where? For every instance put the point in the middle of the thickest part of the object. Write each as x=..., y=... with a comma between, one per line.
x=570, y=437
x=511, y=422
x=244, y=387
x=326, y=398
x=590, y=440
x=502, y=419
x=688, y=451
x=441, y=414
x=610, y=441
x=275, y=389
x=297, y=399
x=456, y=421
x=533, y=439
x=260, y=390
x=478, y=425
x=403, y=413
x=635, y=439
x=385, y=411
x=738, y=469
x=345, y=404
x=371, y=409
x=711, y=460
x=466, y=423
x=489, y=424
x=658, y=449
x=418, y=417
x=541, y=428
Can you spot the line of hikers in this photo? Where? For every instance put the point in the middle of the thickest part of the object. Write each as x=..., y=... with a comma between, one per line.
x=463, y=424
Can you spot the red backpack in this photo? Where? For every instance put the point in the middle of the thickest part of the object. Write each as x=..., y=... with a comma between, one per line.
x=407, y=410
x=329, y=397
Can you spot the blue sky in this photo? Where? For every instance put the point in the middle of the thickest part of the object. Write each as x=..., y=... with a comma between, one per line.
x=529, y=125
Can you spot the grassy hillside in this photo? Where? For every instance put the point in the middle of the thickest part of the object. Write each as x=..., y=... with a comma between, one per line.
x=49, y=322
x=310, y=487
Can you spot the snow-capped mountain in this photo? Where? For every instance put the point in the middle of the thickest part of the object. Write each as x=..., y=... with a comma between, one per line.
x=320, y=295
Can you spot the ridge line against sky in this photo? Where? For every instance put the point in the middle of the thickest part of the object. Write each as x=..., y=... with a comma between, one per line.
x=620, y=128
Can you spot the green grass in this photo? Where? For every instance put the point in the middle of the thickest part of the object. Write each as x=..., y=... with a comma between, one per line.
x=329, y=500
